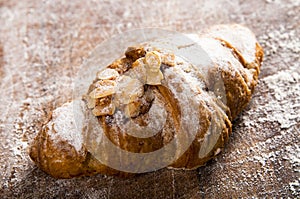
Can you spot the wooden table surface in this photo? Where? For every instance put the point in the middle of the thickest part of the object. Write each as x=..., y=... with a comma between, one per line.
x=43, y=44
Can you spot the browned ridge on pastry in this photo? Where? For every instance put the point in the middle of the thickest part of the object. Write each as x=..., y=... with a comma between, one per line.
x=154, y=107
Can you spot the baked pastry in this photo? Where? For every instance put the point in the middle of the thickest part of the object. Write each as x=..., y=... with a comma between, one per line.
x=166, y=103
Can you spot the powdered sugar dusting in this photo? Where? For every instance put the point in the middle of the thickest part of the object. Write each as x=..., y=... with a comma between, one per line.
x=289, y=115
x=240, y=33
x=67, y=124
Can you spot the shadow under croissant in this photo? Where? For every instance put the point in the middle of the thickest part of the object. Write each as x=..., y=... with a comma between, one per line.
x=163, y=184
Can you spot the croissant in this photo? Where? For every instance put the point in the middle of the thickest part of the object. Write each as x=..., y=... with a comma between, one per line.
x=168, y=103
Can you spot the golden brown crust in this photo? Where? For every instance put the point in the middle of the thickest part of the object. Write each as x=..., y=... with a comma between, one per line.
x=238, y=75
x=60, y=160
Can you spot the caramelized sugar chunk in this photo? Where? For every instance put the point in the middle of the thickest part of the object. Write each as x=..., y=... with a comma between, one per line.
x=107, y=74
x=135, y=53
x=153, y=63
x=103, y=88
x=104, y=106
x=128, y=90
x=121, y=65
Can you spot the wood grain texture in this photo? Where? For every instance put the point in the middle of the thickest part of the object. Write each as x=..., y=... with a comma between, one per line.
x=43, y=44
